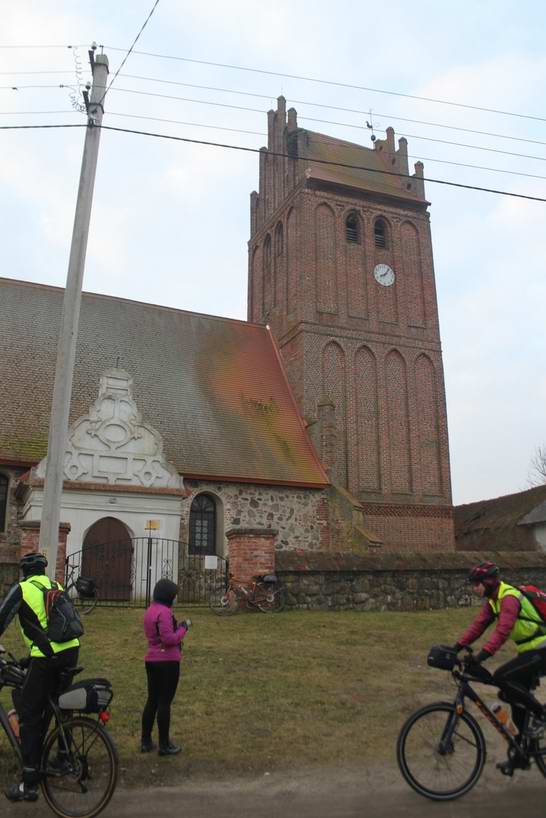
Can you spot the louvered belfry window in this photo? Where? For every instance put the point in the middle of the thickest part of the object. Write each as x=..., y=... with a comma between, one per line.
x=380, y=233
x=352, y=232
x=3, y=500
x=202, y=525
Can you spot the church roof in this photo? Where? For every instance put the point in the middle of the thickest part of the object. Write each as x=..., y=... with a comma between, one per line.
x=214, y=388
x=375, y=170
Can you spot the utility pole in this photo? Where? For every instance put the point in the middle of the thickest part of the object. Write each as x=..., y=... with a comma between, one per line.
x=68, y=334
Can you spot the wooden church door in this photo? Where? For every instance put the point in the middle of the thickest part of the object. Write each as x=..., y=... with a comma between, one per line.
x=107, y=557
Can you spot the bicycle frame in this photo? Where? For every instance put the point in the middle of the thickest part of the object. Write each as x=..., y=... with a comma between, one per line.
x=15, y=746
x=465, y=691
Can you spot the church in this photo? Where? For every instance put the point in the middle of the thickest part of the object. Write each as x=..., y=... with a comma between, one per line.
x=321, y=419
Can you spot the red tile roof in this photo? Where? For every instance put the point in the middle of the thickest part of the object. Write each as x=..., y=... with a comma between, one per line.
x=213, y=387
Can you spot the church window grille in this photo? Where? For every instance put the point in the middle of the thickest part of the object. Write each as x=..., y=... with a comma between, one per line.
x=3, y=500
x=380, y=233
x=202, y=525
x=352, y=228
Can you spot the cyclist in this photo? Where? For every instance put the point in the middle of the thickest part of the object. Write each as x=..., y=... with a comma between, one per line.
x=46, y=663
x=516, y=619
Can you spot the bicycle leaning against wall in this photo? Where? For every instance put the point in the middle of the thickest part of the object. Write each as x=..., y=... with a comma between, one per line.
x=79, y=766
x=264, y=593
x=441, y=748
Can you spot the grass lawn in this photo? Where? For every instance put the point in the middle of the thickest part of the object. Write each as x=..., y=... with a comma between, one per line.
x=259, y=693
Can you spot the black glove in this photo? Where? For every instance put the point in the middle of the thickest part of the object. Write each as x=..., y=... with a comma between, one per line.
x=24, y=662
x=473, y=664
x=186, y=623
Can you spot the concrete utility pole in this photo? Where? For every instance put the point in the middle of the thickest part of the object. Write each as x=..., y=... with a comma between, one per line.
x=68, y=334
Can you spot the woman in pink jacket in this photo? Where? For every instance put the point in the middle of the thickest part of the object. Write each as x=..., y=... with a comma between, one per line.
x=162, y=663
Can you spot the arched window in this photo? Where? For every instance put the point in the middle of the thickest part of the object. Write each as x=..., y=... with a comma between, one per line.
x=380, y=233
x=279, y=240
x=202, y=525
x=352, y=228
x=4, y=482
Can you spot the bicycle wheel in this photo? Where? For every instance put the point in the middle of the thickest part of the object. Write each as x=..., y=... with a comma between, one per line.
x=85, y=604
x=224, y=602
x=441, y=755
x=79, y=783
x=272, y=600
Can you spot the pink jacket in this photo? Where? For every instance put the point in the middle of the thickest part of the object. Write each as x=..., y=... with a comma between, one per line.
x=163, y=633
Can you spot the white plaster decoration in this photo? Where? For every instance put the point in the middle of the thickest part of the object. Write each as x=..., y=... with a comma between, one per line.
x=113, y=445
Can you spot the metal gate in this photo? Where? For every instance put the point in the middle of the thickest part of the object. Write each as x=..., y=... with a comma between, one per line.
x=126, y=572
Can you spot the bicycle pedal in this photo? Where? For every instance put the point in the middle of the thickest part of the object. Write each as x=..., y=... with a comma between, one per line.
x=506, y=768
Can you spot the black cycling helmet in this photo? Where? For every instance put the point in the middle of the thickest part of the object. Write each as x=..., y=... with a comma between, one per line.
x=485, y=572
x=33, y=563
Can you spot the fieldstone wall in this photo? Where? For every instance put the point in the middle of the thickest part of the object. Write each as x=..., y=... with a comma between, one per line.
x=395, y=582
x=299, y=515
x=10, y=537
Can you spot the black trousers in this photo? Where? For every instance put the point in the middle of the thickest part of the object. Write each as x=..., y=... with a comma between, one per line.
x=515, y=679
x=162, y=683
x=43, y=680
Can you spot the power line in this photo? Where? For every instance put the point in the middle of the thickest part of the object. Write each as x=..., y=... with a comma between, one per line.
x=286, y=156
x=311, y=119
x=130, y=50
x=12, y=73
x=303, y=78
x=326, y=139
x=335, y=84
x=338, y=108
x=345, y=125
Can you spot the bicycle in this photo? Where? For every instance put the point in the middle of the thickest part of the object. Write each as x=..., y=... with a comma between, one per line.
x=79, y=764
x=265, y=593
x=441, y=748
x=86, y=595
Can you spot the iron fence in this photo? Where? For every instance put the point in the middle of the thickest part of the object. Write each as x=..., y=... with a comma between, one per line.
x=125, y=572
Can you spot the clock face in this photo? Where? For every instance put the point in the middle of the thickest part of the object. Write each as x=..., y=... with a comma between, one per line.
x=384, y=274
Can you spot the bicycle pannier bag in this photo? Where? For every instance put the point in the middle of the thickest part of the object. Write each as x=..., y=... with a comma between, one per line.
x=63, y=620
x=442, y=657
x=86, y=587
x=87, y=696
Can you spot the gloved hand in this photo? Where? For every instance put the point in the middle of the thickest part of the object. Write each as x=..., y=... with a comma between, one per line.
x=473, y=664
x=186, y=623
x=24, y=662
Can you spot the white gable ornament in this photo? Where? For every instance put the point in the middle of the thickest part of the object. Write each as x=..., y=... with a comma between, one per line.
x=113, y=445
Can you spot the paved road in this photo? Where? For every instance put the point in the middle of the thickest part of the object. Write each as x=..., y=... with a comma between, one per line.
x=325, y=793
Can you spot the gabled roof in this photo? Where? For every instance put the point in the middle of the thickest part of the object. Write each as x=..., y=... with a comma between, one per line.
x=214, y=388
x=499, y=521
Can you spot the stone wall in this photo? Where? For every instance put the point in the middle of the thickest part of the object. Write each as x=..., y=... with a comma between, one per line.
x=394, y=582
x=10, y=537
x=299, y=515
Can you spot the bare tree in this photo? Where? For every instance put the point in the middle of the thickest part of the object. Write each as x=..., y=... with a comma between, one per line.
x=537, y=469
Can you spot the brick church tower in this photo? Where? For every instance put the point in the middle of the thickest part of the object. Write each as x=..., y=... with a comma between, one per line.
x=340, y=267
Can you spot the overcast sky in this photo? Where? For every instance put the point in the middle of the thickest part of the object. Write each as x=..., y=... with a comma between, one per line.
x=170, y=220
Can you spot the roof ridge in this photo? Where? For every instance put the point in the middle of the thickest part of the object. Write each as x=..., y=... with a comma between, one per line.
x=90, y=294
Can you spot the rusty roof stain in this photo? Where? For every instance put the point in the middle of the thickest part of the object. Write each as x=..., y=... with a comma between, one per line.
x=213, y=387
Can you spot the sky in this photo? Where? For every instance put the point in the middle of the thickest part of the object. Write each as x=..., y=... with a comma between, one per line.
x=170, y=220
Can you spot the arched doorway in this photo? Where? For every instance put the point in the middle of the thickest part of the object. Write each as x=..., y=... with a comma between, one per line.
x=107, y=557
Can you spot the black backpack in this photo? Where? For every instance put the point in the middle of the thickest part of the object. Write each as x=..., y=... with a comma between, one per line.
x=63, y=620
